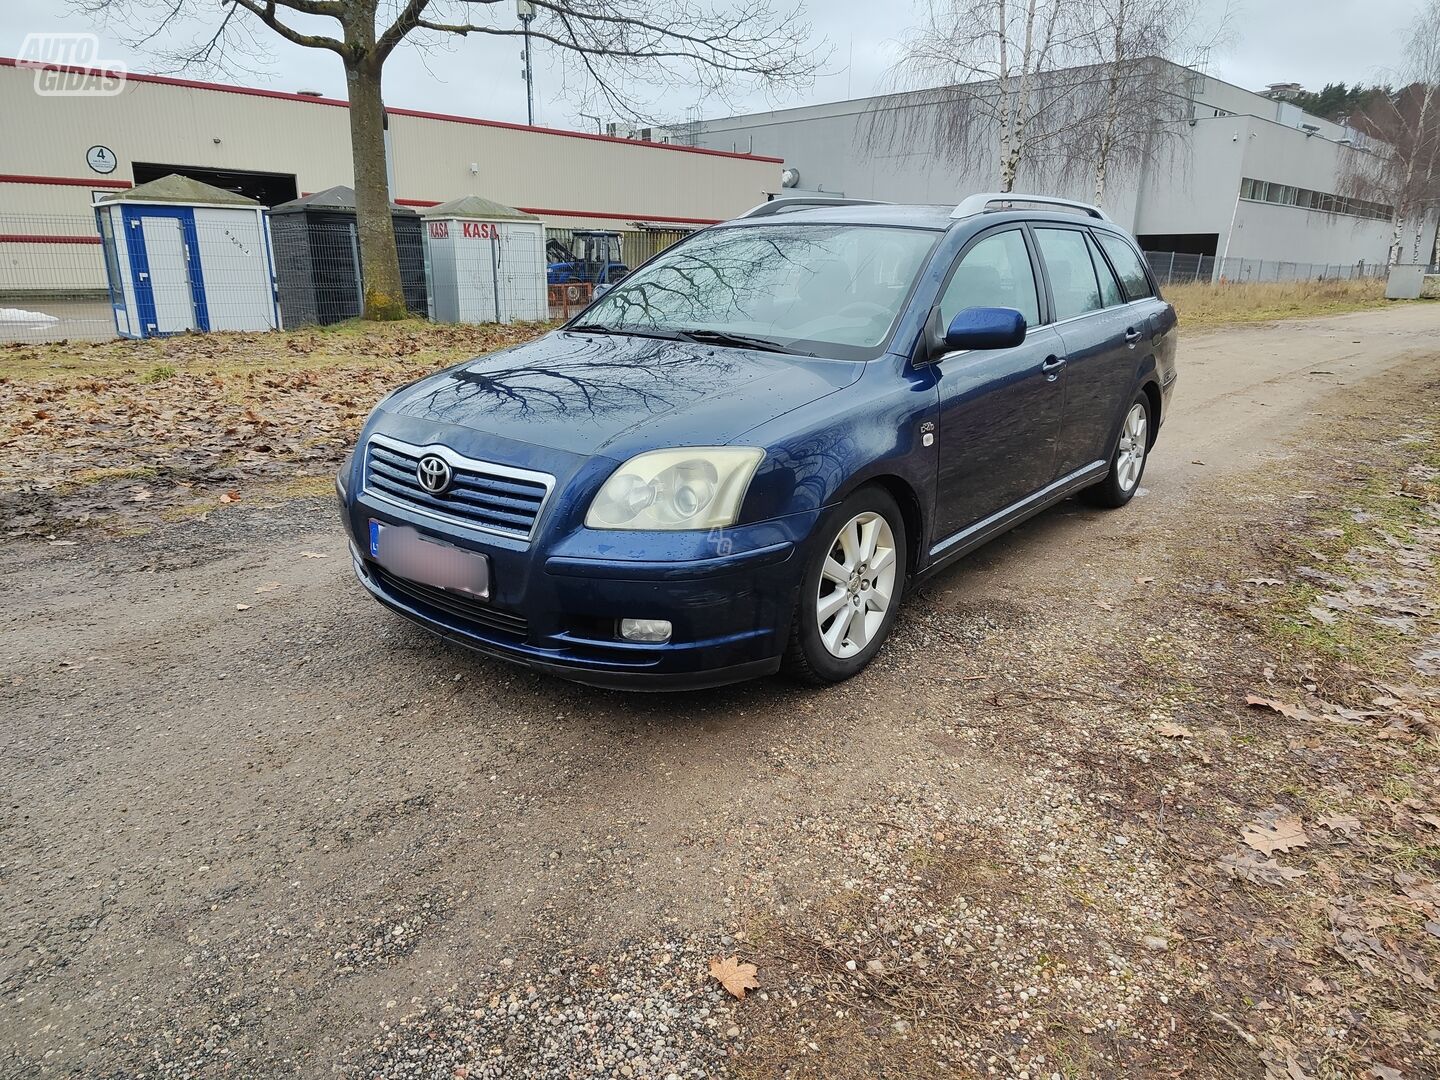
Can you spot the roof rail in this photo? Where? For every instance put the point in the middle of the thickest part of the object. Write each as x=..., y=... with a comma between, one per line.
x=798, y=202
x=979, y=204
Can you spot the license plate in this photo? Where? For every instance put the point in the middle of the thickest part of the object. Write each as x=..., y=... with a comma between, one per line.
x=405, y=553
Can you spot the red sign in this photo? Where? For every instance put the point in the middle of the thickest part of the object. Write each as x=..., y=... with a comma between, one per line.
x=439, y=230
x=480, y=230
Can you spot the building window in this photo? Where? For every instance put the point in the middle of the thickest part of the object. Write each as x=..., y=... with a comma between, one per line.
x=1323, y=201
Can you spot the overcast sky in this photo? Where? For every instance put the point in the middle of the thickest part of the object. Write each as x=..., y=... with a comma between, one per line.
x=1306, y=41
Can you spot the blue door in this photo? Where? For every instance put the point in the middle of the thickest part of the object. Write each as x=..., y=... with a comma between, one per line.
x=1000, y=409
x=165, y=270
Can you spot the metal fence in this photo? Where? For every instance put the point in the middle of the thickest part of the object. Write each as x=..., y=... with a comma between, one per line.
x=1175, y=268
x=52, y=279
x=636, y=245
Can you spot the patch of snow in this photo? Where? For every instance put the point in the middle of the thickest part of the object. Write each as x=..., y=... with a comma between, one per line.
x=20, y=315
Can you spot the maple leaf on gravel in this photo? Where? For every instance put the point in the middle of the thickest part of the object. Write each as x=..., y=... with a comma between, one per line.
x=1277, y=830
x=734, y=976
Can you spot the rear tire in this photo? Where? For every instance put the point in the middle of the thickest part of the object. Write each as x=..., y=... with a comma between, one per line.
x=851, y=591
x=1128, y=460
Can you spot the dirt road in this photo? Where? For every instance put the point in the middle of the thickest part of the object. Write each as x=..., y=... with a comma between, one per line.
x=250, y=820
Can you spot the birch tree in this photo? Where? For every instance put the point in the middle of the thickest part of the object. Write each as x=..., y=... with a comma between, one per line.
x=609, y=44
x=1401, y=164
x=1137, y=96
x=992, y=79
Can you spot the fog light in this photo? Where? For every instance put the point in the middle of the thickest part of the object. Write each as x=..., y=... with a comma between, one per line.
x=651, y=630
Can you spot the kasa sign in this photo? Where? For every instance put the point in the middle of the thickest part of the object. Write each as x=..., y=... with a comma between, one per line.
x=469, y=230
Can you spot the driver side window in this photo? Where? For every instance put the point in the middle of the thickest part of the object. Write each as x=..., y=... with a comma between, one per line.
x=996, y=272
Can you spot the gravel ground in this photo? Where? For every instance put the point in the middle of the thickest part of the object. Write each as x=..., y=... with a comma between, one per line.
x=255, y=826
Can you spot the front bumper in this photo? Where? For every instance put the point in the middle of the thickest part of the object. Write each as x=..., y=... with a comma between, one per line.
x=556, y=607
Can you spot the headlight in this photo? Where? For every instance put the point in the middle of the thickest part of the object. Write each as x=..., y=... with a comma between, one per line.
x=698, y=487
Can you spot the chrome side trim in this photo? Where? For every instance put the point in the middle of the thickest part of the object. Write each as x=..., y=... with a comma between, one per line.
x=457, y=461
x=986, y=524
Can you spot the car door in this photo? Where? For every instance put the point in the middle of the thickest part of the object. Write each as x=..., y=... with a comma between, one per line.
x=1000, y=410
x=1094, y=322
x=1150, y=316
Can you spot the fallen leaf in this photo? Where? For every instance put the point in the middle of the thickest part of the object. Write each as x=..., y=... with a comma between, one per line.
x=1259, y=871
x=1341, y=823
x=141, y=495
x=1173, y=731
x=734, y=976
x=242, y=607
x=230, y=497
x=1276, y=830
x=1294, y=712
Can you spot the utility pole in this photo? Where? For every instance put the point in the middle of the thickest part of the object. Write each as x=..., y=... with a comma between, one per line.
x=526, y=11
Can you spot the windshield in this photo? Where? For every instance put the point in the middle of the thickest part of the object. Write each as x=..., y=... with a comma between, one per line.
x=832, y=289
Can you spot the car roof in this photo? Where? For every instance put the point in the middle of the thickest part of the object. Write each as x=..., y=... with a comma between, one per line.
x=923, y=217
x=917, y=216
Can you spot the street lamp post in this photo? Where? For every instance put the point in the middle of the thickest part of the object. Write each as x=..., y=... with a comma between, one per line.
x=526, y=11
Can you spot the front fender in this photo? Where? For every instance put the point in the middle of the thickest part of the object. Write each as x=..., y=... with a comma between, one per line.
x=817, y=454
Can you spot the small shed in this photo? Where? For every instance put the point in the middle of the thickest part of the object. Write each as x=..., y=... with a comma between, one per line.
x=182, y=255
x=317, y=257
x=484, y=262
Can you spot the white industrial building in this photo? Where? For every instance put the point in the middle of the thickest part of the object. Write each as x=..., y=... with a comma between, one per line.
x=1242, y=175
x=61, y=152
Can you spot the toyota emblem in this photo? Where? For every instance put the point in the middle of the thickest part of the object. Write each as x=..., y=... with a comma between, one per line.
x=434, y=474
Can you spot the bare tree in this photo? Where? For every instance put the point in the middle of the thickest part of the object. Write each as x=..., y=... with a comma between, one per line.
x=1401, y=165
x=1138, y=94
x=611, y=43
x=991, y=70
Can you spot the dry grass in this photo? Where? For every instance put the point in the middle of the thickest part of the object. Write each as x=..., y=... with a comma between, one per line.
x=1205, y=307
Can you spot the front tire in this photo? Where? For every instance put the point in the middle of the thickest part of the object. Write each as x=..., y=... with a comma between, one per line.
x=1127, y=463
x=851, y=591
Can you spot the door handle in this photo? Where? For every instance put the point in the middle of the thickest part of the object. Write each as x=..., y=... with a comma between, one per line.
x=1132, y=335
x=1051, y=367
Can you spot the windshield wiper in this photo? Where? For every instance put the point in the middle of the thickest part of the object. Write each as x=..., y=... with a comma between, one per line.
x=601, y=328
x=737, y=341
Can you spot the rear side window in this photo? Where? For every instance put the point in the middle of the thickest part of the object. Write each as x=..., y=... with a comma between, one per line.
x=1072, y=274
x=1127, y=265
x=1109, y=287
x=996, y=272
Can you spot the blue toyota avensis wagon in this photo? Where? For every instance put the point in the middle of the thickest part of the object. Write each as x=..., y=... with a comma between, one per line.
x=742, y=456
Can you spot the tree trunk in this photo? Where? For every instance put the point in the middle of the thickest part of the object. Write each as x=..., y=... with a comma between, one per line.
x=379, y=262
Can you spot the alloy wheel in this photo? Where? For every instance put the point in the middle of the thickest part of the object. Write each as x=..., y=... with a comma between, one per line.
x=857, y=583
x=1130, y=458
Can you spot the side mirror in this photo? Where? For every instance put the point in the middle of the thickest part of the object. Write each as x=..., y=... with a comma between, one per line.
x=600, y=290
x=986, y=328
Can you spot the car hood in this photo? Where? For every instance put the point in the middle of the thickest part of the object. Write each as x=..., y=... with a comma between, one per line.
x=617, y=395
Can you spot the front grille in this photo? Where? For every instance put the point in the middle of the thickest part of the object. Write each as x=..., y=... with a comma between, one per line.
x=489, y=497
x=451, y=603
